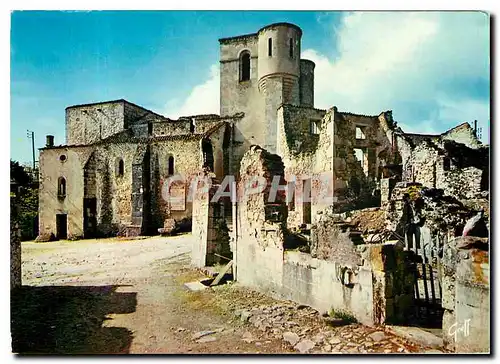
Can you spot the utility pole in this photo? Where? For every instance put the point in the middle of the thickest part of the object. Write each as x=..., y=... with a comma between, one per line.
x=31, y=135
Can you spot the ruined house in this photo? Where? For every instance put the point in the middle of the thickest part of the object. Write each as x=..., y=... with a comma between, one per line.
x=127, y=170
x=109, y=176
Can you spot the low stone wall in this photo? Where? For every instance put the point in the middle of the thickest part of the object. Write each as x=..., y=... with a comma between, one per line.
x=15, y=255
x=466, y=296
x=367, y=281
x=374, y=293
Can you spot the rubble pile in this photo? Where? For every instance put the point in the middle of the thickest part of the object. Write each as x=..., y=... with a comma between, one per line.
x=413, y=203
x=308, y=331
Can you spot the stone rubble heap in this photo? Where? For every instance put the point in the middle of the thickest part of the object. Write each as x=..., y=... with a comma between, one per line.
x=308, y=331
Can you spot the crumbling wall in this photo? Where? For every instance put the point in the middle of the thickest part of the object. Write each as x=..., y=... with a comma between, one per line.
x=331, y=240
x=466, y=295
x=416, y=205
x=454, y=161
x=259, y=248
x=388, y=293
x=15, y=247
x=210, y=233
x=329, y=158
x=464, y=134
x=358, y=279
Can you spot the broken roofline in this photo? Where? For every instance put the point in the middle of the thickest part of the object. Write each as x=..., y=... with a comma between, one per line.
x=238, y=192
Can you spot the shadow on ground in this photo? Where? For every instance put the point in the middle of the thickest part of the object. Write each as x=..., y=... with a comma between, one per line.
x=68, y=320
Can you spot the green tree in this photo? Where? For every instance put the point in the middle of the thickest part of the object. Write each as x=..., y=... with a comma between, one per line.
x=24, y=203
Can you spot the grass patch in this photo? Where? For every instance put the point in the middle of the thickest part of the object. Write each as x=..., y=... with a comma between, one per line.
x=343, y=315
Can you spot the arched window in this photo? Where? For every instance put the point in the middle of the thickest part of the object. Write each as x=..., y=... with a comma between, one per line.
x=61, y=187
x=245, y=66
x=170, y=165
x=208, y=154
x=121, y=168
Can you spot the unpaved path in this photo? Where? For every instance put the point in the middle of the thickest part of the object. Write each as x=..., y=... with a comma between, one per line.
x=117, y=296
x=127, y=296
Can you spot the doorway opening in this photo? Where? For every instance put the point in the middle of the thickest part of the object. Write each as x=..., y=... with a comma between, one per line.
x=62, y=226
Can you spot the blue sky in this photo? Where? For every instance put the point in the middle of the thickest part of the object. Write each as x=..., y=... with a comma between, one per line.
x=431, y=69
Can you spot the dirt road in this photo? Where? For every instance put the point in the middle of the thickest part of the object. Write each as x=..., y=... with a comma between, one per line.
x=127, y=296
x=116, y=296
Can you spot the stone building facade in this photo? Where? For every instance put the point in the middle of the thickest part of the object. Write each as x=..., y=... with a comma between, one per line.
x=114, y=174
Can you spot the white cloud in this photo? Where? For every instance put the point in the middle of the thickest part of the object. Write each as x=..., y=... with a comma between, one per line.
x=430, y=68
x=425, y=66
x=203, y=98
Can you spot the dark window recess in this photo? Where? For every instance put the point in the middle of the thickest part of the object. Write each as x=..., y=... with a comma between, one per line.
x=170, y=165
x=291, y=196
x=62, y=158
x=270, y=47
x=121, y=168
x=245, y=66
x=291, y=48
x=61, y=187
x=150, y=128
x=314, y=127
x=446, y=164
x=208, y=154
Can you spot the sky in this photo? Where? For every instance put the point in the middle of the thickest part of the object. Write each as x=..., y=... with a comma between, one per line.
x=432, y=69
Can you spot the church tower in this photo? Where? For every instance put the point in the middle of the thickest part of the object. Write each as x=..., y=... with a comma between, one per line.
x=258, y=73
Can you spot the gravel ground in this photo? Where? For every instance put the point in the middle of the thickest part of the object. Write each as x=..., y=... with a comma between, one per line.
x=118, y=296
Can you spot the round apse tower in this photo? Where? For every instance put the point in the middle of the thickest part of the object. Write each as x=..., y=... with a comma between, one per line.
x=279, y=61
x=278, y=72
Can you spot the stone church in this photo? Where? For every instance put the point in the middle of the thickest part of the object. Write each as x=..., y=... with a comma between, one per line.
x=108, y=178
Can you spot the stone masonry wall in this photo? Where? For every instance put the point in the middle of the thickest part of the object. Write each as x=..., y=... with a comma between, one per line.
x=466, y=295
x=359, y=282
x=88, y=124
x=51, y=169
x=15, y=249
x=259, y=248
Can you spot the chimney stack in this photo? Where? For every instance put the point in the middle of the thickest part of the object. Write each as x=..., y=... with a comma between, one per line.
x=50, y=141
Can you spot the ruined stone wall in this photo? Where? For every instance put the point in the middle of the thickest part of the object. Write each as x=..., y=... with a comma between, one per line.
x=330, y=241
x=433, y=166
x=377, y=143
x=464, y=134
x=466, y=295
x=15, y=248
x=71, y=168
x=86, y=124
x=297, y=146
x=306, y=82
x=390, y=296
x=329, y=157
x=210, y=233
x=259, y=251
x=355, y=279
